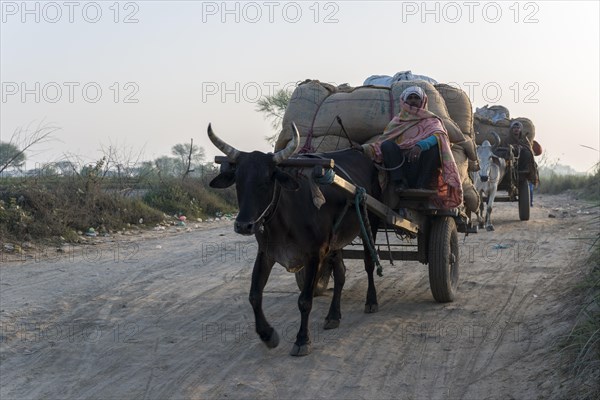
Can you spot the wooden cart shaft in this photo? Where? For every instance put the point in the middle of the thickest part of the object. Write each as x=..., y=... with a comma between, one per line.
x=375, y=206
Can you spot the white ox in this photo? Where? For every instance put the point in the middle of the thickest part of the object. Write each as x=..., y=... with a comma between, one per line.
x=487, y=180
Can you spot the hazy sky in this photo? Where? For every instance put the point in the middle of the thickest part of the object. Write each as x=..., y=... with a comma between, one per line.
x=146, y=75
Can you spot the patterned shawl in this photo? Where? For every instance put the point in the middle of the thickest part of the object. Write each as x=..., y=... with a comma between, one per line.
x=409, y=127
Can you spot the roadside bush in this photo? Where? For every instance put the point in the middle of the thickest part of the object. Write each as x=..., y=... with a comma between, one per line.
x=57, y=206
x=34, y=208
x=13, y=216
x=190, y=198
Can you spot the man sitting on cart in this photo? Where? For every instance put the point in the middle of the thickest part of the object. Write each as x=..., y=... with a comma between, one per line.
x=522, y=148
x=414, y=147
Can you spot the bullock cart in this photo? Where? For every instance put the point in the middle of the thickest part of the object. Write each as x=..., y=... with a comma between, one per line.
x=500, y=180
x=515, y=182
x=419, y=232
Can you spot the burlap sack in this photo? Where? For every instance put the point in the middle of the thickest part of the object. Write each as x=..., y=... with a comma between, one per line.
x=474, y=166
x=469, y=148
x=471, y=197
x=502, y=128
x=483, y=129
x=302, y=108
x=365, y=110
x=324, y=144
x=459, y=107
x=460, y=158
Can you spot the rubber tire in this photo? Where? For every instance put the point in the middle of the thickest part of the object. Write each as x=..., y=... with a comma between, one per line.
x=443, y=249
x=524, y=200
x=322, y=283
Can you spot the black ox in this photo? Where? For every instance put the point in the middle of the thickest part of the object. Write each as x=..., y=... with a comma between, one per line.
x=277, y=207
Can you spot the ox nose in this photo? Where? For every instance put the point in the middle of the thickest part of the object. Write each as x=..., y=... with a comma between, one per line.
x=244, y=228
x=484, y=178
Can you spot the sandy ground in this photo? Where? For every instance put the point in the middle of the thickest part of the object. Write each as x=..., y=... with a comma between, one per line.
x=165, y=315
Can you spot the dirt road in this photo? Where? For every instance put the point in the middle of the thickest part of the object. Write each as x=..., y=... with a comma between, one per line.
x=167, y=316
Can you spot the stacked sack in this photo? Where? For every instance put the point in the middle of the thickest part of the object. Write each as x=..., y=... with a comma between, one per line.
x=365, y=111
x=465, y=153
x=497, y=119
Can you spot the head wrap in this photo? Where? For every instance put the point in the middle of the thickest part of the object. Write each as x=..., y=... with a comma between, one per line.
x=516, y=123
x=412, y=90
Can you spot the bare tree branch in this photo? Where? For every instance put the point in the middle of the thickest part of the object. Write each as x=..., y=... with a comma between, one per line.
x=24, y=140
x=188, y=168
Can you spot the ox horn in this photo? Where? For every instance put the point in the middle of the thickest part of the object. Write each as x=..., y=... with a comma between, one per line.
x=497, y=138
x=291, y=147
x=231, y=152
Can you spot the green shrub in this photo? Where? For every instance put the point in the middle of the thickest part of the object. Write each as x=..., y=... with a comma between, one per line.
x=49, y=207
x=190, y=198
x=35, y=208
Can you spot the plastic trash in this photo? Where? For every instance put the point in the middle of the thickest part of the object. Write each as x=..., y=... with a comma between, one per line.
x=91, y=232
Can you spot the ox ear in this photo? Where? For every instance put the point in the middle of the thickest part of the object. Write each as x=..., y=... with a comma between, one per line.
x=287, y=181
x=223, y=180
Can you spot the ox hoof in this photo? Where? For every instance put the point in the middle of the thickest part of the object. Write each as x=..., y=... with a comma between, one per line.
x=331, y=324
x=371, y=308
x=299, y=351
x=273, y=341
x=489, y=228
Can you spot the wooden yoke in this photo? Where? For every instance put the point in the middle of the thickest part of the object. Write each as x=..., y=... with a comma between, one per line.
x=291, y=162
x=375, y=206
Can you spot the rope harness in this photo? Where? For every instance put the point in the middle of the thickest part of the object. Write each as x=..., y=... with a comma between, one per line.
x=269, y=211
x=360, y=203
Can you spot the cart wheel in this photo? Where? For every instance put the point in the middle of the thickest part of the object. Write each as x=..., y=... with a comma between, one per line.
x=524, y=200
x=323, y=281
x=443, y=259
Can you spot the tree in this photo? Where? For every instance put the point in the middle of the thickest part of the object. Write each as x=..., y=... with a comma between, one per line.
x=166, y=166
x=188, y=157
x=121, y=160
x=274, y=107
x=10, y=156
x=12, y=153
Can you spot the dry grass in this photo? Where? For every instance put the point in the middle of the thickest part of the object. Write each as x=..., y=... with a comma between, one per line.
x=55, y=207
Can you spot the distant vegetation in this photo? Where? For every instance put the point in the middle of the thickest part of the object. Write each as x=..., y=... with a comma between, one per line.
x=59, y=201
x=55, y=207
x=555, y=180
